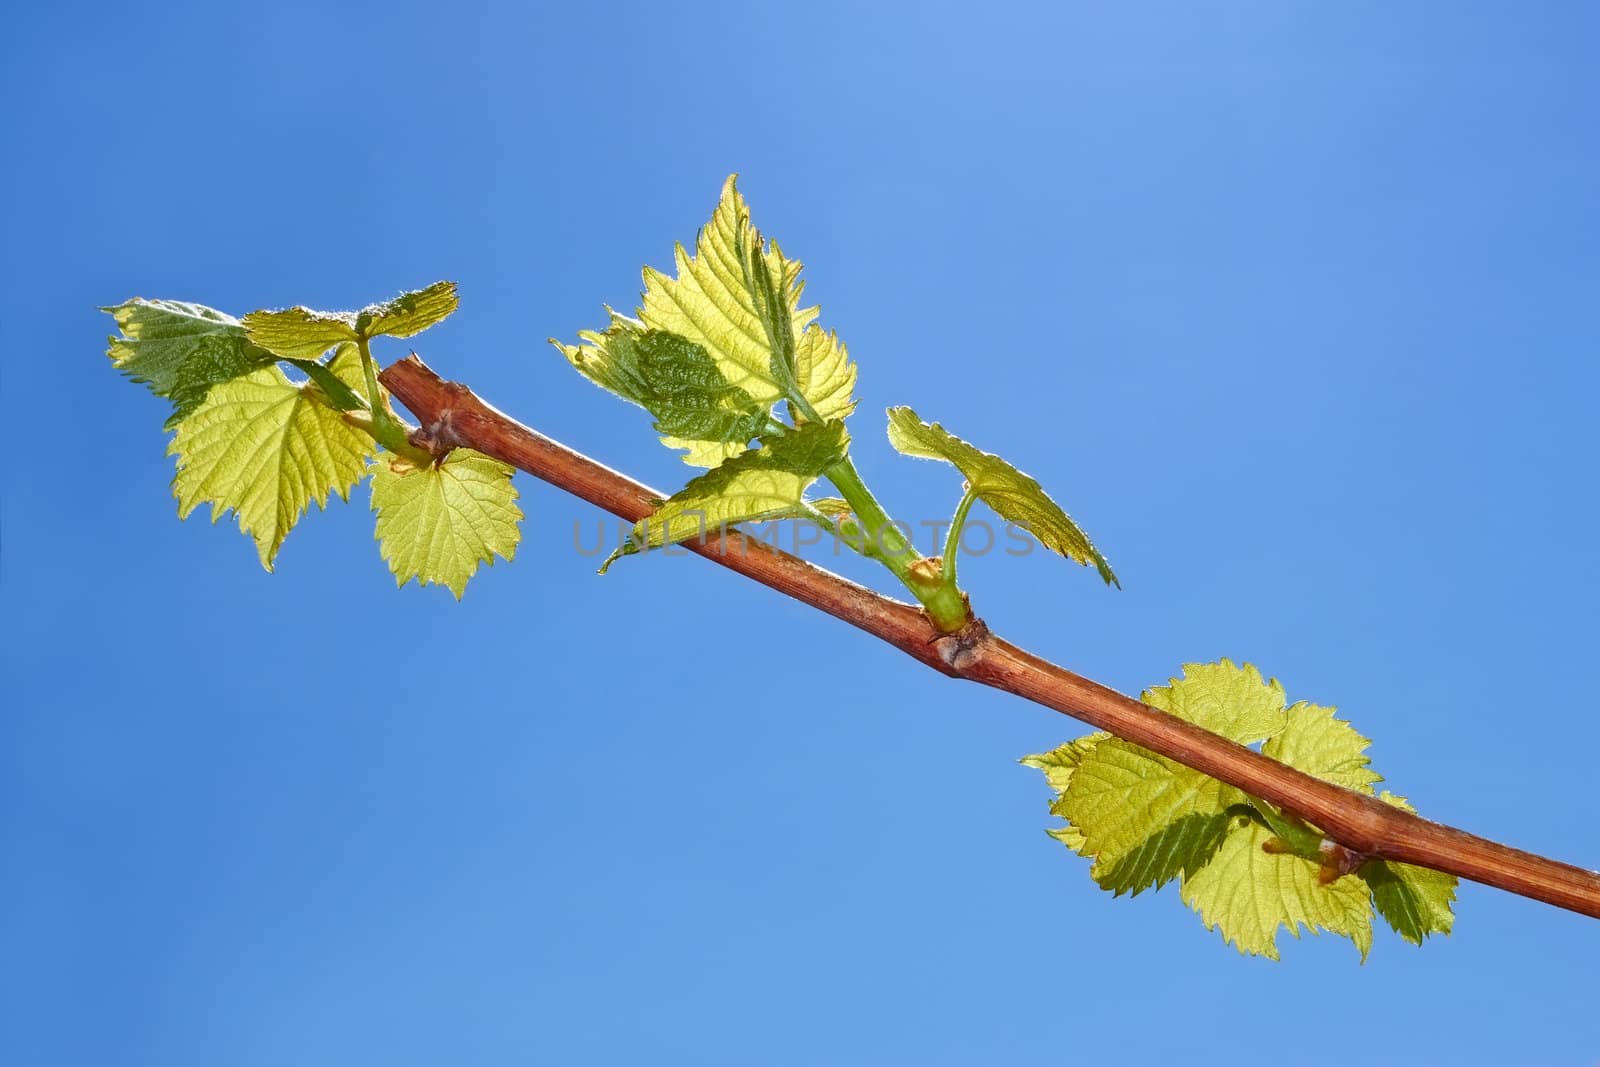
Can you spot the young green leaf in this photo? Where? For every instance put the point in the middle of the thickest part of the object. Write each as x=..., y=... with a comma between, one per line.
x=299, y=332
x=755, y=486
x=1142, y=817
x=1233, y=701
x=436, y=524
x=1182, y=847
x=1317, y=743
x=409, y=313
x=672, y=378
x=264, y=447
x=1126, y=801
x=1153, y=819
x=1059, y=764
x=739, y=299
x=1248, y=893
x=1012, y=494
x=181, y=350
x=1414, y=900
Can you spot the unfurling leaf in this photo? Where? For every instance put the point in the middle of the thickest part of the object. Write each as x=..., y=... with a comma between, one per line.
x=1145, y=820
x=436, y=524
x=181, y=350
x=1012, y=494
x=264, y=447
x=765, y=483
x=672, y=378
x=738, y=299
x=299, y=332
x=409, y=313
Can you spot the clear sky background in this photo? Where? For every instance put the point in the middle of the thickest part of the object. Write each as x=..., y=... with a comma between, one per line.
x=1292, y=305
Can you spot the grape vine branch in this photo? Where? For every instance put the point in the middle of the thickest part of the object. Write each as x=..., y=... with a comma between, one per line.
x=1363, y=827
x=741, y=378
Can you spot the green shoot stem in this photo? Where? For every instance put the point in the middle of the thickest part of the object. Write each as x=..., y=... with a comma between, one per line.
x=952, y=541
x=383, y=427
x=1303, y=841
x=884, y=542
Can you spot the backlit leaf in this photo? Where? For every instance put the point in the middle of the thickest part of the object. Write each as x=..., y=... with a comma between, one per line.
x=264, y=447
x=722, y=302
x=755, y=486
x=1120, y=796
x=181, y=350
x=1321, y=745
x=409, y=313
x=437, y=523
x=1235, y=702
x=299, y=332
x=1012, y=494
x=1248, y=894
x=675, y=380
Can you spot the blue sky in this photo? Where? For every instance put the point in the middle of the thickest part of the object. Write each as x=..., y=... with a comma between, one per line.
x=1291, y=304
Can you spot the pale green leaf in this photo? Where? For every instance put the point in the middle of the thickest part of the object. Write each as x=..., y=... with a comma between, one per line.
x=1180, y=848
x=1415, y=900
x=1248, y=894
x=675, y=380
x=1068, y=835
x=181, y=350
x=1323, y=746
x=1058, y=765
x=1124, y=801
x=409, y=313
x=703, y=453
x=1223, y=698
x=264, y=447
x=1121, y=795
x=610, y=358
x=824, y=372
x=1012, y=494
x=714, y=303
x=299, y=332
x=436, y=524
x=756, y=486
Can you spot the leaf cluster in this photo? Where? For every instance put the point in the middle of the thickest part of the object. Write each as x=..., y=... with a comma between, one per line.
x=250, y=440
x=741, y=377
x=283, y=409
x=1245, y=867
